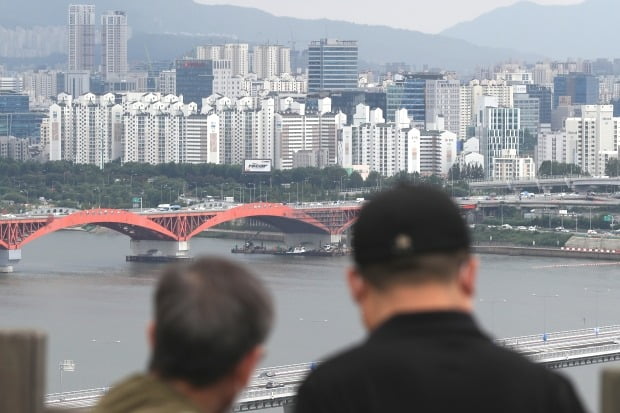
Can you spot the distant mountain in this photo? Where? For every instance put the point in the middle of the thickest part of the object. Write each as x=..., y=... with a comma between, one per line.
x=589, y=29
x=194, y=22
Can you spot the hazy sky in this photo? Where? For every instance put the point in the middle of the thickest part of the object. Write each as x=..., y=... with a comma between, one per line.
x=429, y=16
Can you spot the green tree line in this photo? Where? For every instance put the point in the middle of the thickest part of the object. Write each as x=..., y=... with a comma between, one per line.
x=86, y=186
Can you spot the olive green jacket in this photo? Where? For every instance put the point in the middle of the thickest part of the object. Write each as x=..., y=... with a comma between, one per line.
x=143, y=393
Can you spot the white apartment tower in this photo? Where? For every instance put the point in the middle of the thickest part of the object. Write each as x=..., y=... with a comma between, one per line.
x=238, y=54
x=556, y=147
x=81, y=37
x=146, y=128
x=474, y=94
x=167, y=82
x=596, y=133
x=296, y=130
x=114, y=37
x=437, y=149
x=246, y=127
x=387, y=148
x=85, y=130
x=443, y=98
x=271, y=60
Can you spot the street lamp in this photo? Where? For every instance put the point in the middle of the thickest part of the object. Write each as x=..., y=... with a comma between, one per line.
x=493, y=301
x=254, y=189
x=544, y=298
x=596, y=293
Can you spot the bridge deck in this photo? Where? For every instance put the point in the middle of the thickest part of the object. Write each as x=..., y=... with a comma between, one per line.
x=277, y=386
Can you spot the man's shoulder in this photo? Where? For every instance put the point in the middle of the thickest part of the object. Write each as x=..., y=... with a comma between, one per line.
x=141, y=393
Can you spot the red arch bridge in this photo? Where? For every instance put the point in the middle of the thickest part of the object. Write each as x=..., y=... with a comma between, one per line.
x=168, y=233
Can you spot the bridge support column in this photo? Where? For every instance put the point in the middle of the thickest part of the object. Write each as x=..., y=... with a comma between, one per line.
x=289, y=408
x=335, y=238
x=312, y=241
x=8, y=258
x=156, y=250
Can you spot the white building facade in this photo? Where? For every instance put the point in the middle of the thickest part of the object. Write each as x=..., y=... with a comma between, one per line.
x=596, y=133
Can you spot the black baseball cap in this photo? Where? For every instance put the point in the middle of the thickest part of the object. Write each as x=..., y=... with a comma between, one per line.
x=407, y=221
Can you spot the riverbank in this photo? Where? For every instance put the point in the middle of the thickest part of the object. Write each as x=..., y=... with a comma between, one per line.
x=243, y=235
x=591, y=254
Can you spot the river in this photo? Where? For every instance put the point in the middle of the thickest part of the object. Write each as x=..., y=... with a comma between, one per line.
x=78, y=288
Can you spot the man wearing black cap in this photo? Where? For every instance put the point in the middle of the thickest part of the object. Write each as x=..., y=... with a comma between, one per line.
x=413, y=280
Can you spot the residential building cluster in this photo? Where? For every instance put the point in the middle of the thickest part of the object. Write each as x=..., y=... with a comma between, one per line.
x=224, y=103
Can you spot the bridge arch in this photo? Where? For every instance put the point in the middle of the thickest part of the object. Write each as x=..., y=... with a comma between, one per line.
x=278, y=215
x=127, y=223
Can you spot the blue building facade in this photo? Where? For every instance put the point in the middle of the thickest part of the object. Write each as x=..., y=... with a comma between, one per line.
x=332, y=65
x=194, y=80
x=13, y=103
x=409, y=93
x=582, y=88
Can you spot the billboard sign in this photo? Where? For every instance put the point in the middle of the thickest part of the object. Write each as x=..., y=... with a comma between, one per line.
x=254, y=166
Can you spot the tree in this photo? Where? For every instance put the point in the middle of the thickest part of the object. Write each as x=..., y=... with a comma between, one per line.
x=549, y=168
x=612, y=168
x=355, y=180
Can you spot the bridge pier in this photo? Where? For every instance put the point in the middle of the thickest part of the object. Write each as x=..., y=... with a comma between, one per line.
x=289, y=408
x=158, y=250
x=8, y=258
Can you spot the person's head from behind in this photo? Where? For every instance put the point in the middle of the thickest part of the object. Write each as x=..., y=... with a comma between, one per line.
x=412, y=253
x=211, y=318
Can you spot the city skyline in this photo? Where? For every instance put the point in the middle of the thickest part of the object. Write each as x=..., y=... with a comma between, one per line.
x=438, y=15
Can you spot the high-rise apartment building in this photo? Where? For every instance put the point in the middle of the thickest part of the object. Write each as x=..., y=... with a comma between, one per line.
x=332, y=65
x=246, y=127
x=238, y=54
x=114, y=43
x=437, y=152
x=194, y=79
x=384, y=147
x=443, y=98
x=41, y=86
x=597, y=136
x=556, y=146
x=270, y=61
x=167, y=82
x=81, y=37
x=85, y=130
x=297, y=130
x=147, y=128
x=473, y=97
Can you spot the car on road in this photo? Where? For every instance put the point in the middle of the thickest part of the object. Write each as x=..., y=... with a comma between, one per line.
x=267, y=373
x=506, y=226
x=521, y=228
x=273, y=384
x=592, y=232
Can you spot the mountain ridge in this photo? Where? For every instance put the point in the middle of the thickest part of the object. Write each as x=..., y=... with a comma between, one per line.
x=586, y=29
x=377, y=44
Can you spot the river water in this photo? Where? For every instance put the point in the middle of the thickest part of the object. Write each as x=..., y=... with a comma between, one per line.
x=78, y=288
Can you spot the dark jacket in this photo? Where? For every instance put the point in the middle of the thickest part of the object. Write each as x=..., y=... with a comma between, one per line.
x=143, y=394
x=431, y=363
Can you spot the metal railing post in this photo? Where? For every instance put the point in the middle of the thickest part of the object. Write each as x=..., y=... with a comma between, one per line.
x=610, y=391
x=22, y=371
